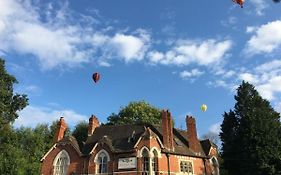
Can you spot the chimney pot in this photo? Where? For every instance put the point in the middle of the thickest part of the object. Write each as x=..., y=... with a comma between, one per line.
x=192, y=134
x=93, y=124
x=61, y=127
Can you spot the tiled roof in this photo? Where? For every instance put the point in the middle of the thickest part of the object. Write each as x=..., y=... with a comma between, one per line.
x=206, y=145
x=122, y=138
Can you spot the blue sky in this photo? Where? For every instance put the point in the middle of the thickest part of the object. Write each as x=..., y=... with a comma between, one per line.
x=175, y=55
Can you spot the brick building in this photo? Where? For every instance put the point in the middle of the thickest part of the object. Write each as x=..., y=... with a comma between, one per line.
x=143, y=149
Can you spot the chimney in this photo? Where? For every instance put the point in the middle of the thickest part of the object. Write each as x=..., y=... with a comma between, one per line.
x=167, y=130
x=93, y=124
x=192, y=134
x=61, y=127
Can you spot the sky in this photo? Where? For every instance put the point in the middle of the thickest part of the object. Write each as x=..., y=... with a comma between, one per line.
x=175, y=55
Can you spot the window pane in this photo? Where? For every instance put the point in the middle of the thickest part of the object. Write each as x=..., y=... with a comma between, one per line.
x=102, y=163
x=60, y=167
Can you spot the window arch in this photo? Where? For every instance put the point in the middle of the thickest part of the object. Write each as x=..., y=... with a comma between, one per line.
x=102, y=158
x=215, y=163
x=61, y=163
x=154, y=162
x=145, y=161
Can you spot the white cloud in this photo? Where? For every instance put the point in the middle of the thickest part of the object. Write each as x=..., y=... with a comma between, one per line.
x=266, y=39
x=29, y=89
x=248, y=78
x=192, y=73
x=277, y=107
x=230, y=21
x=129, y=47
x=61, y=40
x=269, y=66
x=215, y=128
x=265, y=77
x=259, y=5
x=270, y=87
x=155, y=56
x=33, y=115
x=185, y=52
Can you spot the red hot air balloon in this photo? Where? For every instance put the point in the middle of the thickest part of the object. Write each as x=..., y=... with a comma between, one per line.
x=96, y=77
x=240, y=2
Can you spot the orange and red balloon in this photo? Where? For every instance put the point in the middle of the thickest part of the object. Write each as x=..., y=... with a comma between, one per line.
x=240, y=2
x=96, y=77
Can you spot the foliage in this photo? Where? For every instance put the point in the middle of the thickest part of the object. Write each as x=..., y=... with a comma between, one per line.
x=135, y=113
x=22, y=149
x=80, y=132
x=10, y=103
x=250, y=135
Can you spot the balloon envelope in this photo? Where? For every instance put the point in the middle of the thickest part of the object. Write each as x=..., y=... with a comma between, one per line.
x=240, y=2
x=203, y=107
x=96, y=77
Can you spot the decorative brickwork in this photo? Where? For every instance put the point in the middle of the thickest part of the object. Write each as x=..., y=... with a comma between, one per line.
x=169, y=151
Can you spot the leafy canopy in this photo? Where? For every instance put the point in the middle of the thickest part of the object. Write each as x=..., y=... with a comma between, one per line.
x=135, y=113
x=80, y=132
x=10, y=103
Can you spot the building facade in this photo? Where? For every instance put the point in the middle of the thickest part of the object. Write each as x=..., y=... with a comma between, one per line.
x=143, y=149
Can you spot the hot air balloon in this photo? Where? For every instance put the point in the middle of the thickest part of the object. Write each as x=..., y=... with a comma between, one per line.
x=96, y=77
x=240, y=2
x=203, y=107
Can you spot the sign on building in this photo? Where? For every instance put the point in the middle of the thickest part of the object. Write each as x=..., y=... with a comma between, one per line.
x=127, y=163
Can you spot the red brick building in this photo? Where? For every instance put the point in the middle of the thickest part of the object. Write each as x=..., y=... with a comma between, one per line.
x=143, y=149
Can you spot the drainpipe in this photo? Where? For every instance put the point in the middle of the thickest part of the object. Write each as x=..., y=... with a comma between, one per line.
x=168, y=160
x=204, y=160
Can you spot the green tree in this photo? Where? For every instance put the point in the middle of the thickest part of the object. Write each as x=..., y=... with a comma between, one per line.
x=11, y=155
x=134, y=113
x=251, y=142
x=10, y=103
x=80, y=132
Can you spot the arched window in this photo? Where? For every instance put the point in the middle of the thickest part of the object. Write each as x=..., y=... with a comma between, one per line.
x=215, y=164
x=154, y=162
x=102, y=159
x=61, y=163
x=145, y=162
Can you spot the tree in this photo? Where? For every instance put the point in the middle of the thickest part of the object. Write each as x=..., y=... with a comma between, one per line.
x=250, y=135
x=11, y=157
x=135, y=113
x=80, y=132
x=10, y=103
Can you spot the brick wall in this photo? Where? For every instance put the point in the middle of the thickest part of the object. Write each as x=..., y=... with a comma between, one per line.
x=76, y=162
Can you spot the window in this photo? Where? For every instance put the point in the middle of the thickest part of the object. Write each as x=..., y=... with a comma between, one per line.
x=145, y=162
x=154, y=162
x=186, y=167
x=102, y=161
x=215, y=169
x=61, y=163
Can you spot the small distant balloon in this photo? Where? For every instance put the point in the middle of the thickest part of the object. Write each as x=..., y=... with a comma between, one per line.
x=239, y=2
x=203, y=108
x=96, y=77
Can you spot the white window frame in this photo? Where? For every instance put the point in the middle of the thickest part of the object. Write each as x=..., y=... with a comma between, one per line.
x=187, y=161
x=151, y=157
x=59, y=155
x=97, y=163
x=217, y=166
